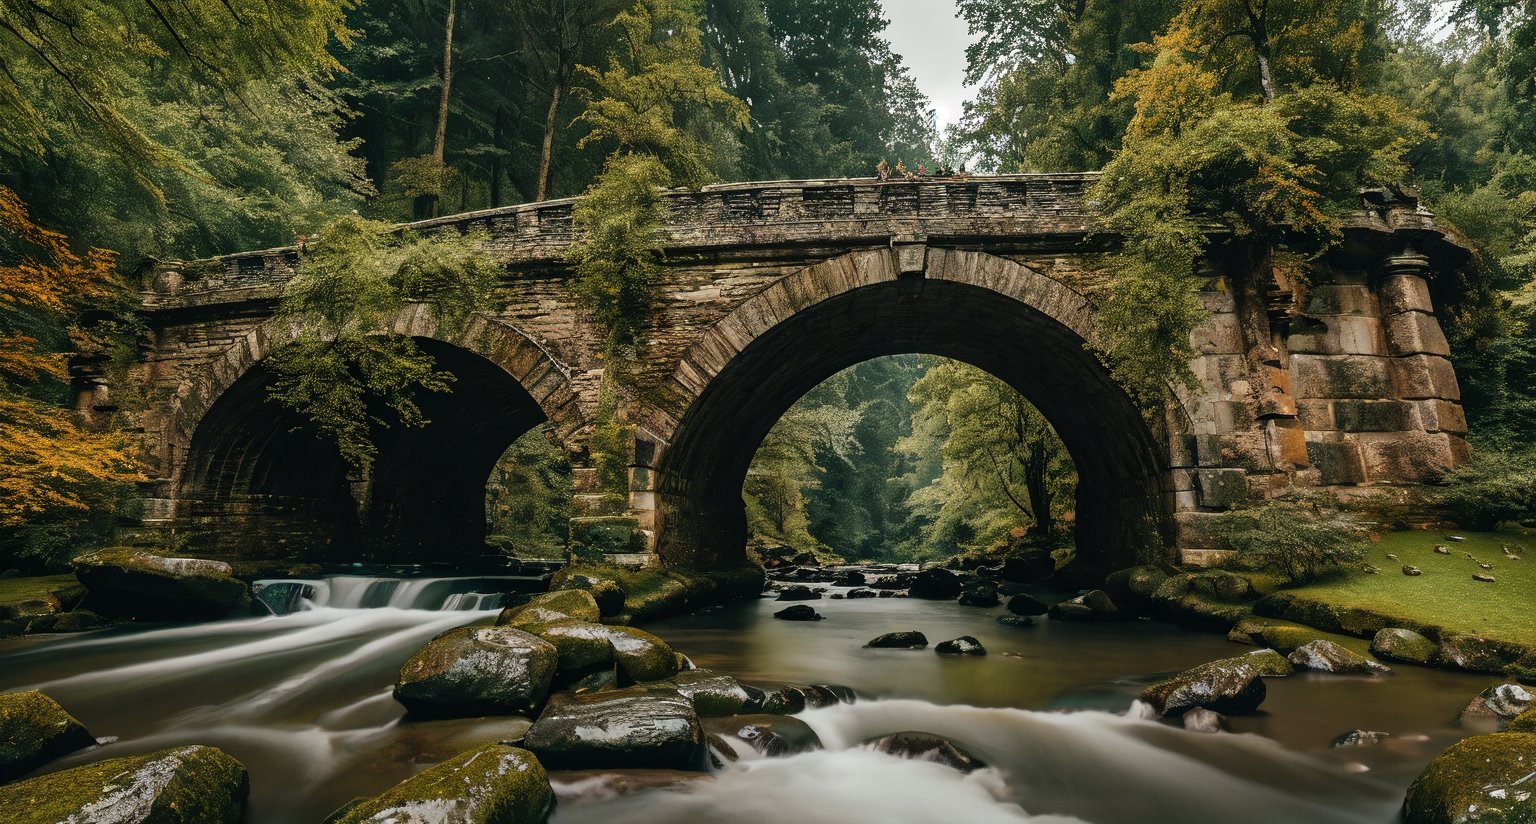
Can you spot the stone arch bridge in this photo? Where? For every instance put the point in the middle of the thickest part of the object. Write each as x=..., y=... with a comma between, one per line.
x=770, y=288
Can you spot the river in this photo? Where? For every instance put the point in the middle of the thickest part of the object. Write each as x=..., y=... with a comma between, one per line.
x=304, y=701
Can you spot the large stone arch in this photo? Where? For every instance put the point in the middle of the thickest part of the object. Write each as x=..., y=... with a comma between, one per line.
x=1009, y=319
x=245, y=479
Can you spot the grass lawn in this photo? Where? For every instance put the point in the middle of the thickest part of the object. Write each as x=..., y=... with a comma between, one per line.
x=1445, y=595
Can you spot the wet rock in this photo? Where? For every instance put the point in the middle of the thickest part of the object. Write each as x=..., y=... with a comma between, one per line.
x=574, y=787
x=1229, y=686
x=799, y=612
x=1399, y=644
x=34, y=730
x=1326, y=656
x=1483, y=779
x=936, y=585
x=1023, y=604
x=607, y=679
x=1288, y=639
x=834, y=694
x=964, y=645
x=570, y=603
x=606, y=592
x=580, y=647
x=1200, y=719
x=1359, y=738
x=1500, y=703
x=979, y=595
x=862, y=593
x=1268, y=662
x=909, y=639
x=923, y=746
x=1094, y=605
x=850, y=578
x=1028, y=569
x=1016, y=620
x=1412, y=571
x=786, y=701
x=492, y=784
x=1476, y=654
x=176, y=786
x=712, y=693
x=1249, y=630
x=744, y=737
x=640, y=655
x=132, y=583
x=640, y=726
x=478, y=671
x=798, y=593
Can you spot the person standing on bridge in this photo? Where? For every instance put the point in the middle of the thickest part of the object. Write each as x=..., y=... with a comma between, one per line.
x=883, y=170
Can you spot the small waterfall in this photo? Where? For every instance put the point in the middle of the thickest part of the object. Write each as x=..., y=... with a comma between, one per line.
x=461, y=594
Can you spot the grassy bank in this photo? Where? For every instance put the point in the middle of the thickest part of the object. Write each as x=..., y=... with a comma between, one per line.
x=1445, y=595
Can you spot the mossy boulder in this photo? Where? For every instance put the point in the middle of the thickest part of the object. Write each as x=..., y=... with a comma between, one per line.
x=606, y=592
x=184, y=785
x=1134, y=584
x=1524, y=722
x=1286, y=639
x=1399, y=644
x=1483, y=779
x=1222, y=585
x=1229, y=686
x=131, y=583
x=1325, y=656
x=641, y=726
x=572, y=603
x=1361, y=623
x=478, y=671
x=581, y=648
x=1249, y=629
x=1475, y=653
x=1501, y=704
x=493, y=784
x=640, y=655
x=1269, y=663
x=34, y=730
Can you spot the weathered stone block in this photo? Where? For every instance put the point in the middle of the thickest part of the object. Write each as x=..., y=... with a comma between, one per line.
x=1278, y=396
x=1316, y=415
x=1425, y=376
x=1372, y=416
x=1339, y=335
x=1233, y=416
x=1415, y=333
x=1287, y=443
x=1404, y=293
x=1340, y=299
x=1342, y=376
x=1337, y=462
x=1437, y=415
x=1218, y=335
x=1220, y=488
x=1197, y=530
x=1402, y=457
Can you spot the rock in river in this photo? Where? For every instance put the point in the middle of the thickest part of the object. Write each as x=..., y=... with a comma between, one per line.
x=1500, y=703
x=34, y=730
x=798, y=593
x=1359, y=738
x=1200, y=719
x=132, y=583
x=799, y=612
x=910, y=639
x=493, y=784
x=936, y=585
x=635, y=727
x=185, y=785
x=478, y=671
x=1025, y=604
x=1229, y=686
x=571, y=603
x=1483, y=779
x=964, y=645
x=1398, y=644
x=979, y=595
x=1326, y=656
x=743, y=737
x=923, y=746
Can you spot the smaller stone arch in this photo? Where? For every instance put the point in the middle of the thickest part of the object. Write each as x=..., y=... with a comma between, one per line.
x=229, y=450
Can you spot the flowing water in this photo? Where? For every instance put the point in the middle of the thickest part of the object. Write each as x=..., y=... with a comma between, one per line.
x=303, y=699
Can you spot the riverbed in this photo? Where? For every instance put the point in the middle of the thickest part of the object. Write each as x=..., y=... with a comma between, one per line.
x=304, y=701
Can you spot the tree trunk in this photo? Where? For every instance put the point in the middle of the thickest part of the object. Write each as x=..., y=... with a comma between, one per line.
x=439, y=145
x=1266, y=79
x=546, y=157
x=1035, y=481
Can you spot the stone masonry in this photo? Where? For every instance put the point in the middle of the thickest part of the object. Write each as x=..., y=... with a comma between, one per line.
x=1342, y=384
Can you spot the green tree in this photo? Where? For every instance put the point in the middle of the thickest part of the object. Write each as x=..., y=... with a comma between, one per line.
x=346, y=364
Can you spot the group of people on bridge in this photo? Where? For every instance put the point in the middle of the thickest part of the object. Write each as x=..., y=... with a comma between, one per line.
x=884, y=171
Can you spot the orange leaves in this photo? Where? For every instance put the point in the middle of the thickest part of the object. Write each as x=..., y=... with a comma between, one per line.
x=38, y=269
x=49, y=466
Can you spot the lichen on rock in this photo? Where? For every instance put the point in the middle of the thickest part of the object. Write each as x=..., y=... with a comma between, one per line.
x=184, y=785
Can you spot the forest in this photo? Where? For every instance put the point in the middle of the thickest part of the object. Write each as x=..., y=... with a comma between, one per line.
x=251, y=124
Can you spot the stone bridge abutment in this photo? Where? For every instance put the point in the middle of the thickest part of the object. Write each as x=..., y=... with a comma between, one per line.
x=1343, y=384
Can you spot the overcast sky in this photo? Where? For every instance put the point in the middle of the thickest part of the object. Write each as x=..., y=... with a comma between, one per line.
x=933, y=41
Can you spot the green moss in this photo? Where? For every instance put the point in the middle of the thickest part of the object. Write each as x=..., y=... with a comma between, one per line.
x=1250, y=629
x=493, y=784
x=474, y=670
x=34, y=729
x=17, y=590
x=1267, y=661
x=655, y=592
x=1476, y=779
x=185, y=785
x=1524, y=722
x=574, y=603
x=640, y=655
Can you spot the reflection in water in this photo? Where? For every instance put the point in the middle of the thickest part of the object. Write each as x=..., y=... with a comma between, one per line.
x=304, y=701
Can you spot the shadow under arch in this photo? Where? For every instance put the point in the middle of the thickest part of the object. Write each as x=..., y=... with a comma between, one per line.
x=254, y=483
x=1021, y=326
